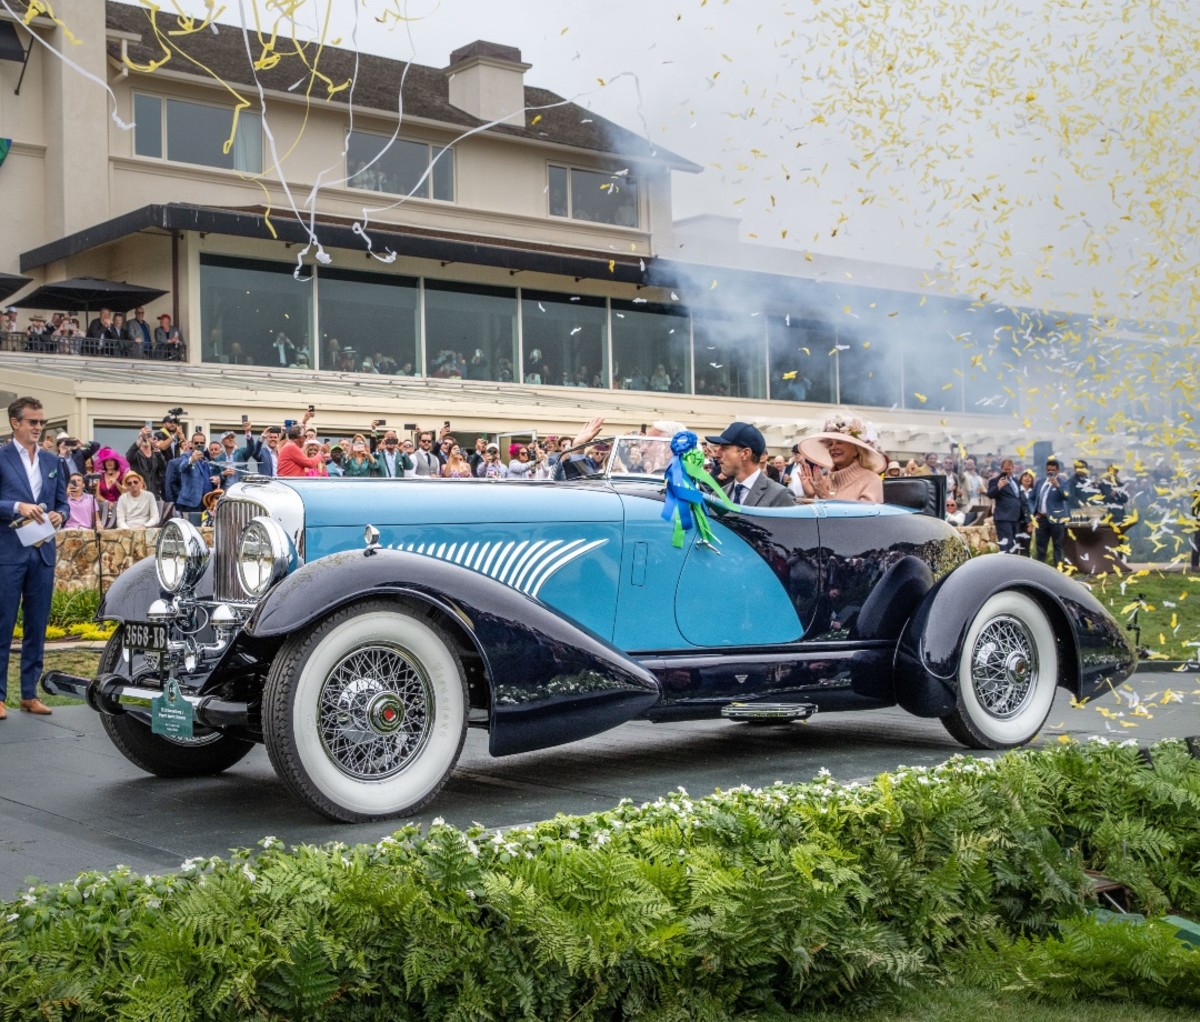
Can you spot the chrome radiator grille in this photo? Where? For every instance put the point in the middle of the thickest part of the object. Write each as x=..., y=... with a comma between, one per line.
x=233, y=515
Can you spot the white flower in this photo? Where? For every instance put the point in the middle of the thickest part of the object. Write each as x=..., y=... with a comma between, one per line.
x=13, y=918
x=438, y=822
x=248, y=872
x=270, y=842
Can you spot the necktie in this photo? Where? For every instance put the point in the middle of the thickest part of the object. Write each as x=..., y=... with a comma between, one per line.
x=739, y=491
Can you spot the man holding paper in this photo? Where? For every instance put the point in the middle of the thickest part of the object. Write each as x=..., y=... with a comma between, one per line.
x=33, y=504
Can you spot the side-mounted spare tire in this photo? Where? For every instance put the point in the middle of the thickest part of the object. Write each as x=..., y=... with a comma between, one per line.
x=365, y=713
x=1007, y=674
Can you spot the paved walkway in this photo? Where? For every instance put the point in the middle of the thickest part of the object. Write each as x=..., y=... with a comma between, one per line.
x=70, y=802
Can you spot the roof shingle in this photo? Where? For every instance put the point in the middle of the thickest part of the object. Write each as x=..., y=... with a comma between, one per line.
x=375, y=82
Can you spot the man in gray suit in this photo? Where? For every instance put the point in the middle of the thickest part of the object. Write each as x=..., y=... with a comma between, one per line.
x=741, y=449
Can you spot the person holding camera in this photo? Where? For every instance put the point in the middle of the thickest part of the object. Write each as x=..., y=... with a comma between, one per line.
x=195, y=478
x=1008, y=508
x=148, y=461
x=74, y=454
x=266, y=451
x=361, y=463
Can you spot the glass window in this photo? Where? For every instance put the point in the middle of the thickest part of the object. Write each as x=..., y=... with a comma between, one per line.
x=197, y=133
x=254, y=313
x=565, y=339
x=369, y=323
x=932, y=373
x=147, y=117
x=470, y=331
x=400, y=167
x=601, y=197
x=559, y=200
x=803, y=366
x=651, y=347
x=868, y=368
x=730, y=355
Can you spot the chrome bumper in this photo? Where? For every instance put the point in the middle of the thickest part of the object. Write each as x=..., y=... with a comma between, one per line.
x=104, y=695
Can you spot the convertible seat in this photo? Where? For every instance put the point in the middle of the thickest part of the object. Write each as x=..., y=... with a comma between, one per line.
x=926, y=494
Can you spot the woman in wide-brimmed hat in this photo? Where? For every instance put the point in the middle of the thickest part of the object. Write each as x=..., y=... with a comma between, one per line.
x=848, y=446
x=112, y=468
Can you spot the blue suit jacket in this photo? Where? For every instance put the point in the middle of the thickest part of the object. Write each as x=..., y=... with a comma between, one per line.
x=1058, y=498
x=14, y=489
x=1006, y=506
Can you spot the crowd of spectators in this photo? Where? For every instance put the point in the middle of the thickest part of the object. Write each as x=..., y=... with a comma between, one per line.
x=168, y=470
x=109, y=333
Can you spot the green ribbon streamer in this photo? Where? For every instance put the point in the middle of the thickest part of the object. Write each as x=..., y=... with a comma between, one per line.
x=693, y=465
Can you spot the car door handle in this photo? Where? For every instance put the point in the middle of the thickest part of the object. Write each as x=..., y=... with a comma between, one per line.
x=638, y=574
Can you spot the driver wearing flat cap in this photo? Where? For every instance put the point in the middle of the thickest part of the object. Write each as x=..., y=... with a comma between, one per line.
x=740, y=450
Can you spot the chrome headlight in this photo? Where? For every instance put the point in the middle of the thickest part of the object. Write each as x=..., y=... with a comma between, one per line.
x=181, y=556
x=264, y=555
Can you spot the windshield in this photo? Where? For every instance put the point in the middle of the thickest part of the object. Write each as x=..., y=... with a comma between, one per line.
x=639, y=457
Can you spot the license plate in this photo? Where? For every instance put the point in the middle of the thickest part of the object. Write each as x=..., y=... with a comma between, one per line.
x=145, y=635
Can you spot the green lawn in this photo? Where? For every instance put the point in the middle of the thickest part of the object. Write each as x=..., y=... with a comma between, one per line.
x=73, y=661
x=1169, y=614
x=967, y=1004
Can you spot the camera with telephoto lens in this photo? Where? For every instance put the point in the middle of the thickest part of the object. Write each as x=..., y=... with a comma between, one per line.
x=173, y=415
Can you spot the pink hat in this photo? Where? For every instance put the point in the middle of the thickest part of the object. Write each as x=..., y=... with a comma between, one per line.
x=108, y=454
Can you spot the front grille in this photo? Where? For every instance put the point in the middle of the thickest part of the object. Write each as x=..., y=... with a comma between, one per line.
x=233, y=515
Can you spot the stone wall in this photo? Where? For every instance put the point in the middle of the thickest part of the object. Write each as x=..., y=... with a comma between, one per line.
x=981, y=539
x=87, y=559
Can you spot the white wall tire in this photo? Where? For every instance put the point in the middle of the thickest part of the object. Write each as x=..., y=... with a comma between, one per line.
x=365, y=715
x=1007, y=674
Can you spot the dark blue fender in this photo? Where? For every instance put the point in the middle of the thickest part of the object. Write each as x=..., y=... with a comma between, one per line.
x=132, y=592
x=551, y=680
x=1093, y=649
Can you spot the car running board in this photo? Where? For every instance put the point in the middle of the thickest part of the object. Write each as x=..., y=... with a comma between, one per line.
x=780, y=713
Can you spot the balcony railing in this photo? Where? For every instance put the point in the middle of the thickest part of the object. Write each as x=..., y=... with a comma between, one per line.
x=81, y=344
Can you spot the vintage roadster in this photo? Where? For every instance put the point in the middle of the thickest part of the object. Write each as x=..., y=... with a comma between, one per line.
x=358, y=628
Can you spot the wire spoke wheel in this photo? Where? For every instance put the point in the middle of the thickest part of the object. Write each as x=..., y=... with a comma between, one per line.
x=1004, y=666
x=1007, y=674
x=365, y=711
x=374, y=711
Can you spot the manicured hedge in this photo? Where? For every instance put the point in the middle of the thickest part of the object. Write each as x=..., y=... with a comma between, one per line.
x=740, y=903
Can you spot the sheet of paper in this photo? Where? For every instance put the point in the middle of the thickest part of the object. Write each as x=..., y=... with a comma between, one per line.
x=35, y=532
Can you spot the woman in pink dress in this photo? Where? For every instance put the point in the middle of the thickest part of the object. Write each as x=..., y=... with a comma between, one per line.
x=112, y=468
x=456, y=467
x=849, y=447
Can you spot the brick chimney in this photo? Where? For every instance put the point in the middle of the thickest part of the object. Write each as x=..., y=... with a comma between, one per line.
x=487, y=81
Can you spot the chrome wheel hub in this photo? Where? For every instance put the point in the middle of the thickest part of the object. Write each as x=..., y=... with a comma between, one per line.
x=1004, y=666
x=375, y=711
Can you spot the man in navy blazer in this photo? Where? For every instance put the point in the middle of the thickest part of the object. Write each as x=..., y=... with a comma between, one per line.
x=1053, y=511
x=32, y=487
x=1005, y=494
